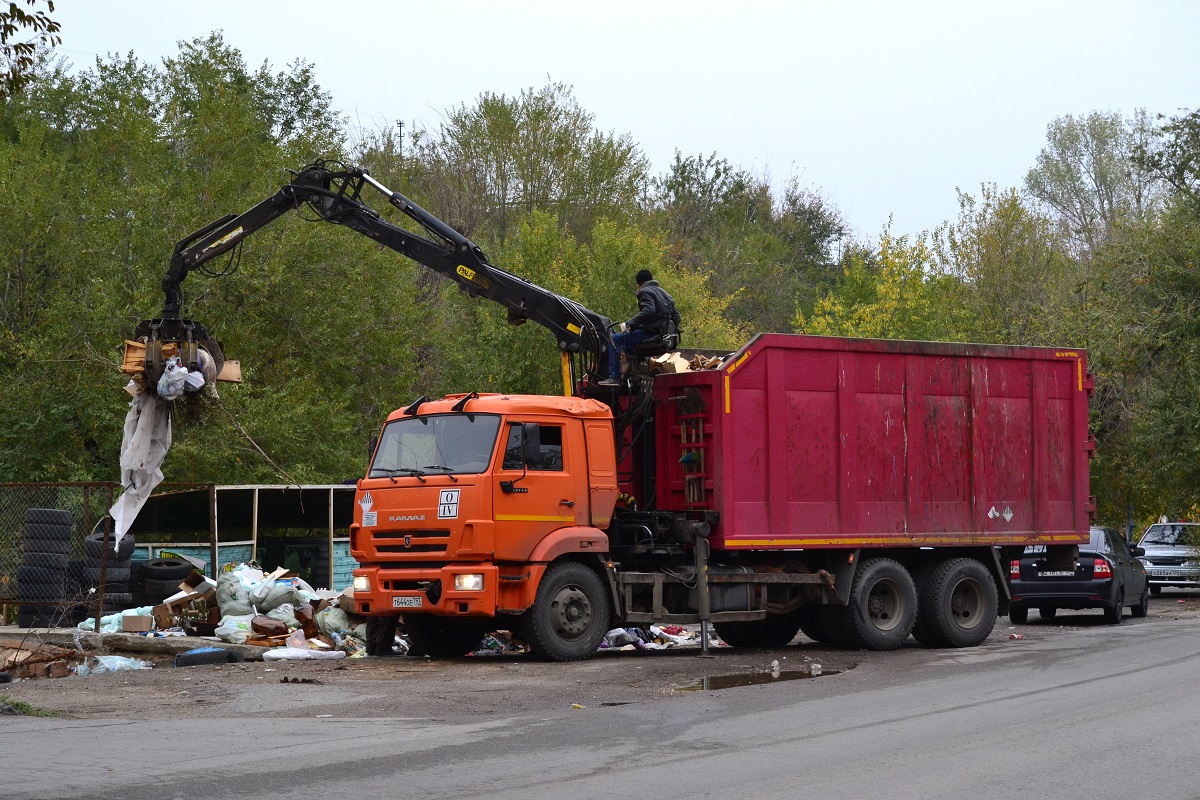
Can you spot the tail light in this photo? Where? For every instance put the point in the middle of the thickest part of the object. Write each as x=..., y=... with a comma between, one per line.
x=1014, y=568
x=1101, y=569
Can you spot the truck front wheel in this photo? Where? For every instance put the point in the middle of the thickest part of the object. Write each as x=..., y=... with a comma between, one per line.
x=882, y=607
x=958, y=604
x=570, y=614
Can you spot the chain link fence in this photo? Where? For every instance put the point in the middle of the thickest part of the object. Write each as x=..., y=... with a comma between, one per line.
x=54, y=566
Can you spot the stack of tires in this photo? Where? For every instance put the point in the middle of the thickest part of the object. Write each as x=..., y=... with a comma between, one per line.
x=84, y=576
x=161, y=577
x=42, y=573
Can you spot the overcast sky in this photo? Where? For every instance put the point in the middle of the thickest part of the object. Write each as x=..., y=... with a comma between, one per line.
x=883, y=107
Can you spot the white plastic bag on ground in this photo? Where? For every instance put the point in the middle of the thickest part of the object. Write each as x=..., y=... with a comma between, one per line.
x=296, y=654
x=234, y=629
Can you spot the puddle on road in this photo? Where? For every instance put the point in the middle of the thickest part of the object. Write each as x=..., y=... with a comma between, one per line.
x=709, y=684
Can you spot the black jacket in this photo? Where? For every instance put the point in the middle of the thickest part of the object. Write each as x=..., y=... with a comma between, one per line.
x=656, y=311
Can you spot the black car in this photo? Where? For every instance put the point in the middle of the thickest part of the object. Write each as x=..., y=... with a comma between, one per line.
x=1106, y=575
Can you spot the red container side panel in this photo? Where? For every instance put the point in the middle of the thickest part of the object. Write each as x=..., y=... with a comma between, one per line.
x=819, y=442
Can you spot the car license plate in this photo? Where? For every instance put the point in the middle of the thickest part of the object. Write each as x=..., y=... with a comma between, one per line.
x=1166, y=573
x=406, y=602
x=1057, y=573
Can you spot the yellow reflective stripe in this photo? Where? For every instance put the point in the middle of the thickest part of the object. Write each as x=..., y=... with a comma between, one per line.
x=531, y=518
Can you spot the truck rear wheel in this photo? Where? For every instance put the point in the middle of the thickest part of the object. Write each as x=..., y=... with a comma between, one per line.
x=570, y=614
x=882, y=607
x=776, y=630
x=441, y=638
x=957, y=604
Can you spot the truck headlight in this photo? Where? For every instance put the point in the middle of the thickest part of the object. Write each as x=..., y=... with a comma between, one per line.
x=362, y=583
x=468, y=583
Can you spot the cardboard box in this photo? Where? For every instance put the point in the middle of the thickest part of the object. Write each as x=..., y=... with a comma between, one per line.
x=136, y=623
x=197, y=584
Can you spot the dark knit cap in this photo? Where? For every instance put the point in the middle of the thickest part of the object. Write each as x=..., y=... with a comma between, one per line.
x=643, y=276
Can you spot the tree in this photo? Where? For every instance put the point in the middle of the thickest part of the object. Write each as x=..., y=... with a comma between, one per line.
x=1088, y=176
x=492, y=164
x=891, y=293
x=1015, y=282
x=18, y=58
x=1173, y=154
x=771, y=257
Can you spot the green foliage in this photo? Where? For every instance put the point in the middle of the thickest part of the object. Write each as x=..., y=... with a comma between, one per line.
x=890, y=293
x=1087, y=173
x=18, y=57
x=771, y=258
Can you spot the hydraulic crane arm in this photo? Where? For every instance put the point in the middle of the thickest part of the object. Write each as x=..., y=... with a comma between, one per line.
x=335, y=195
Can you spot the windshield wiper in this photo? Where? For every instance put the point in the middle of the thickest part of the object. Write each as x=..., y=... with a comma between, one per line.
x=444, y=469
x=392, y=473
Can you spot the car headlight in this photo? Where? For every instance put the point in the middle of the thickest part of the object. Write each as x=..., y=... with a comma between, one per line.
x=362, y=583
x=468, y=583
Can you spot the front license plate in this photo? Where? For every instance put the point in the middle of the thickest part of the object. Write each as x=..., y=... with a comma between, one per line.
x=406, y=602
x=1166, y=573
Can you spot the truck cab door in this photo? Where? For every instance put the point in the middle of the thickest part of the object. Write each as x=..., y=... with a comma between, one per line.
x=541, y=485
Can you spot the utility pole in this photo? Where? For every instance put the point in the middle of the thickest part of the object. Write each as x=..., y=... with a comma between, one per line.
x=400, y=125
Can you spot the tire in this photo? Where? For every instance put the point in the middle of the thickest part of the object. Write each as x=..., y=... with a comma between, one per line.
x=883, y=605
x=207, y=655
x=156, y=590
x=162, y=569
x=1142, y=607
x=114, y=562
x=31, y=619
x=1048, y=613
x=570, y=613
x=49, y=516
x=1018, y=614
x=1113, y=614
x=53, y=533
x=54, y=561
x=112, y=575
x=1155, y=590
x=959, y=603
x=57, y=546
x=441, y=638
x=821, y=624
x=40, y=583
x=93, y=546
x=117, y=601
x=777, y=630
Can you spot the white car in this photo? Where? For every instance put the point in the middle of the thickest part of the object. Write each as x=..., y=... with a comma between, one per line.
x=1172, y=556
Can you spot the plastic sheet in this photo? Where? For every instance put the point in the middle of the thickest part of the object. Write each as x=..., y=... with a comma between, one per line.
x=101, y=664
x=144, y=445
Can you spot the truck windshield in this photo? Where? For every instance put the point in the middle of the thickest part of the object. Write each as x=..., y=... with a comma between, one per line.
x=437, y=444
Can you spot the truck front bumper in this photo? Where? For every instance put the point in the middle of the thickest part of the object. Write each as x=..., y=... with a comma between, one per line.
x=428, y=591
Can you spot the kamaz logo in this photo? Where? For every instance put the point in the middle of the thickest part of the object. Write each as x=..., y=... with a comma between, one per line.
x=412, y=518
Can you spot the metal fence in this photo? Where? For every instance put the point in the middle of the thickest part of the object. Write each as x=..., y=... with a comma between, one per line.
x=54, y=566
x=58, y=565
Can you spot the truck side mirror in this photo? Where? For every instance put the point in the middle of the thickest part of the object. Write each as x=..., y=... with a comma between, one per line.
x=371, y=445
x=531, y=443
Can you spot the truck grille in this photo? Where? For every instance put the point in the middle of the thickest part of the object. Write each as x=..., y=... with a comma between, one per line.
x=404, y=542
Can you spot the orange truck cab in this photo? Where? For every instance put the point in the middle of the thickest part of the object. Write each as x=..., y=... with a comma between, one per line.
x=467, y=502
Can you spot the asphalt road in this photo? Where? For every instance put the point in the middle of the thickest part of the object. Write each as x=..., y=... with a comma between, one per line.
x=1075, y=709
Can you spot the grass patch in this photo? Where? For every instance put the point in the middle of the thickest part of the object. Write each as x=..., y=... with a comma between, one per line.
x=25, y=709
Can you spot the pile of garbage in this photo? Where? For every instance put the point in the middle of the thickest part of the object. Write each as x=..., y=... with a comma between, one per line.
x=247, y=606
x=653, y=638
